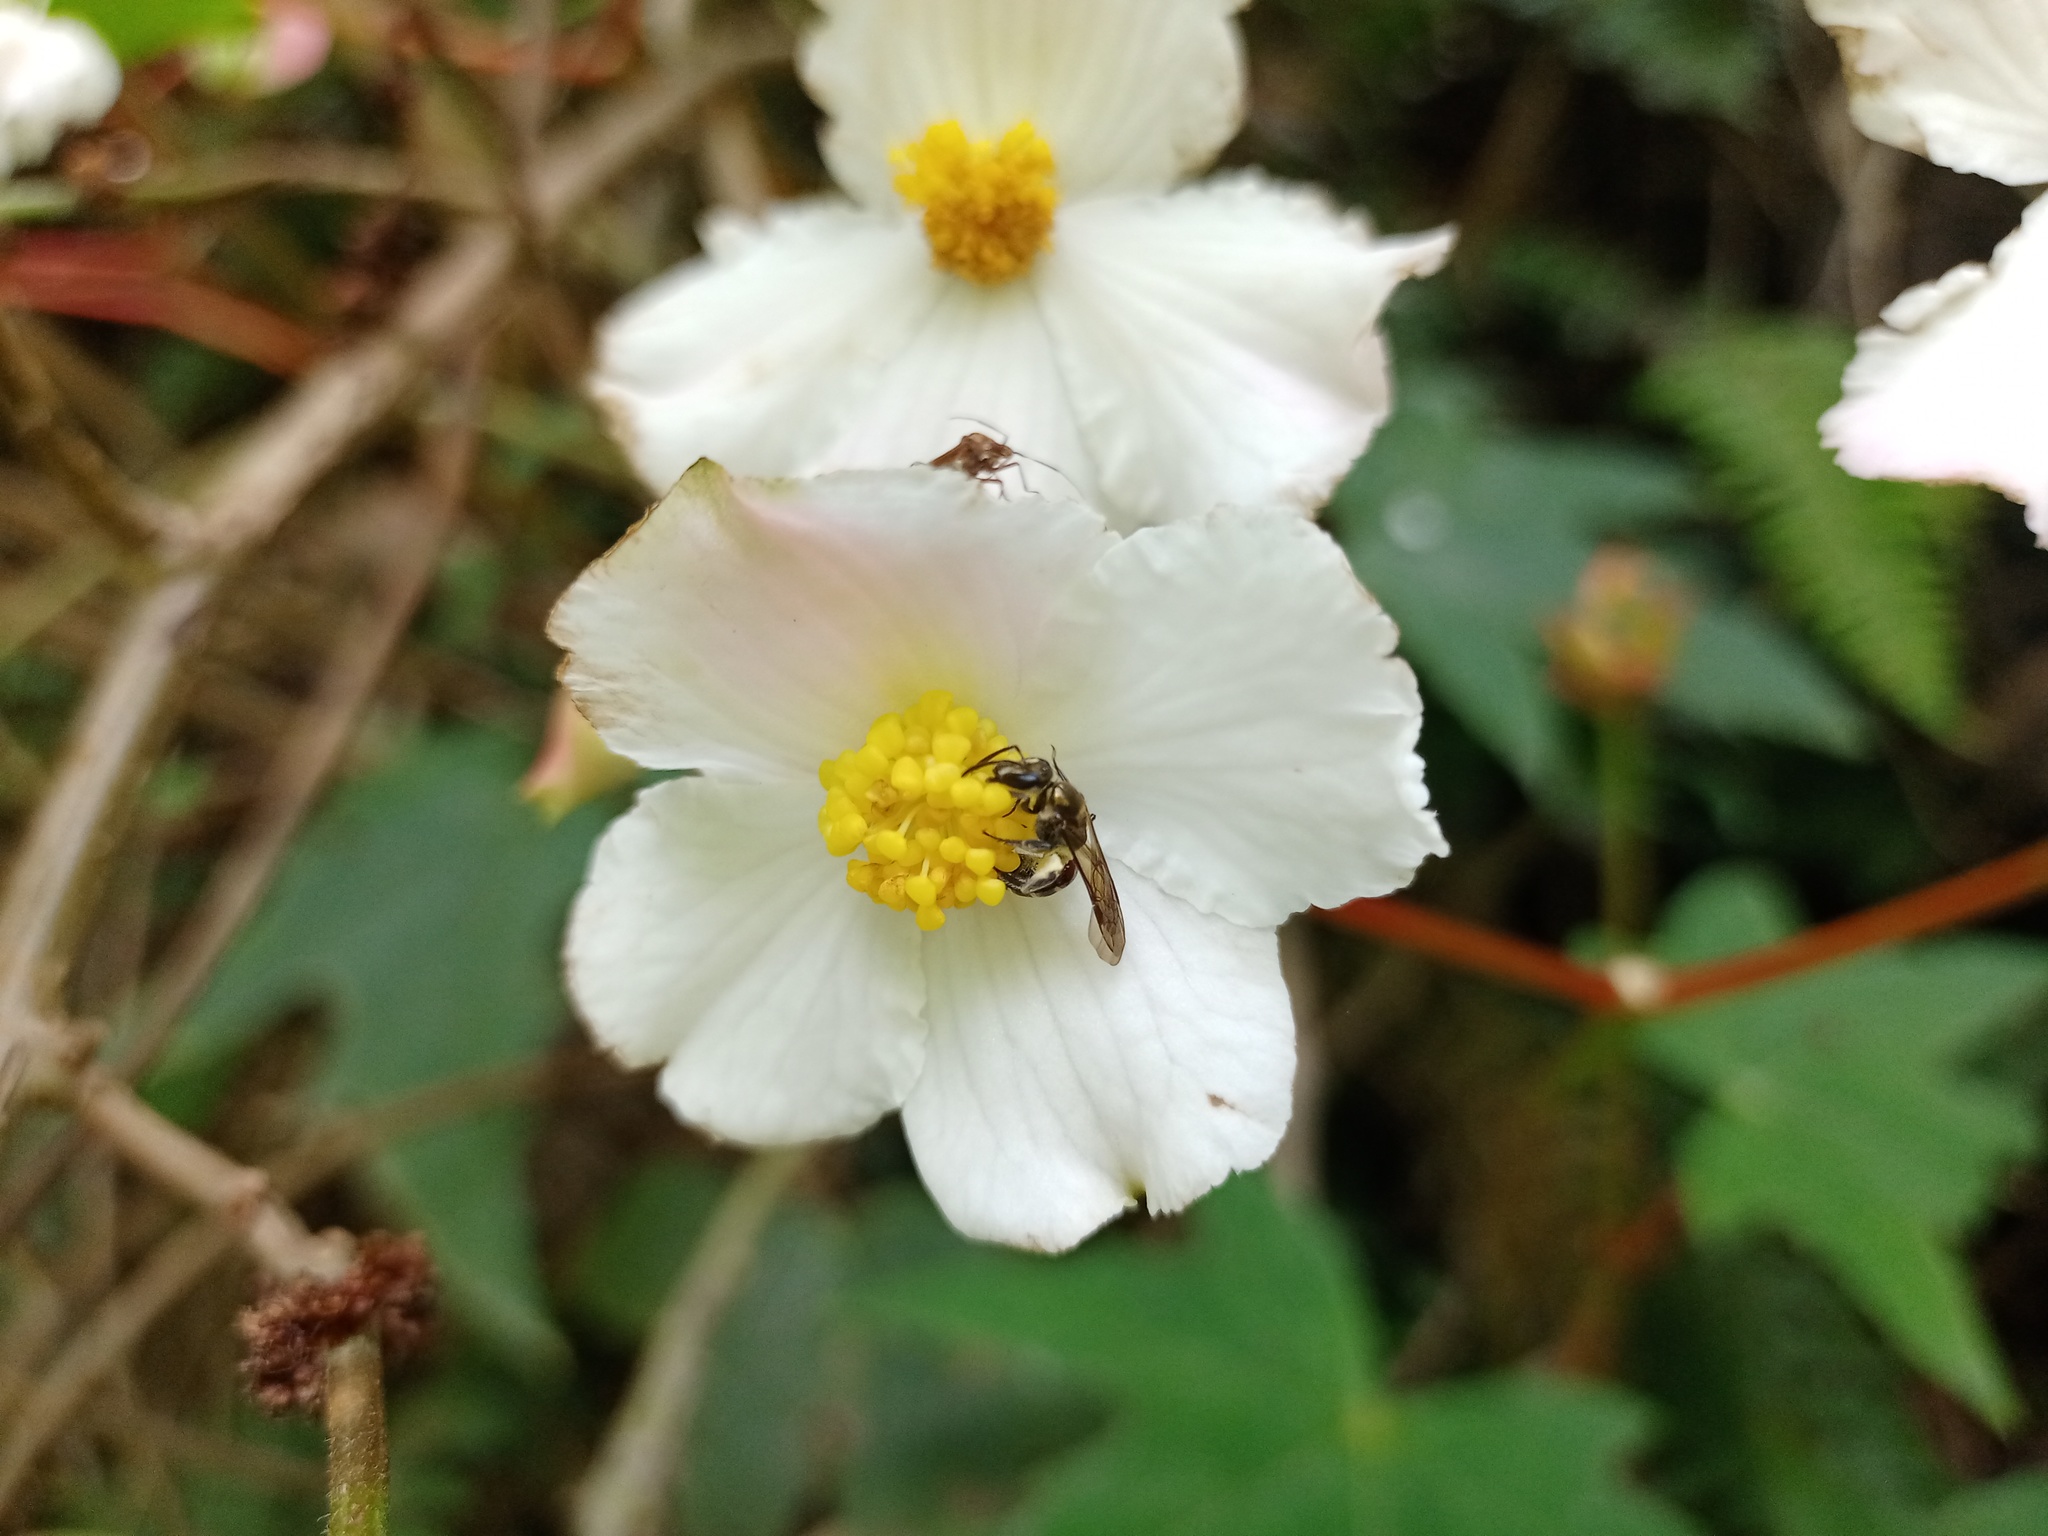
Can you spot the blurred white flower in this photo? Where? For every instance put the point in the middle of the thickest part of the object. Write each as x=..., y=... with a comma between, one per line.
x=55, y=73
x=1012, y=256
x=1954, y=385
x=814, y=931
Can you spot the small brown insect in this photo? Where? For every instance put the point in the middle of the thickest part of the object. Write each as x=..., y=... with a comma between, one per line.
x=978, y=456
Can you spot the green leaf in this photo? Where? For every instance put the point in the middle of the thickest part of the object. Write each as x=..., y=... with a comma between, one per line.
x=1473, y=536
x=142, y=29
x=2012, y=1506
x=422, y=909
x=749, y=1460
x=1741, y=673
x=1868, y=563
x=1243, y=1379
x=1839, y=1114
x=445, y=1431
x=640, y=1241
x=1788, y=1414
x=1676, y=55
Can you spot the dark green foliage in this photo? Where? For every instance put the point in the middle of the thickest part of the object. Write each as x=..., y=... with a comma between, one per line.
x=1473, y=534
x=1243, y=1382
x=1676, y=55
x=1839, y=1114
x=422, y=911
x=1869, y=564
x=751, y=1453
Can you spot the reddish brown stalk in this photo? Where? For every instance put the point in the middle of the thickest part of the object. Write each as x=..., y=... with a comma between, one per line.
x=1547, y=973
x=1528, y=967
x=1946, y=904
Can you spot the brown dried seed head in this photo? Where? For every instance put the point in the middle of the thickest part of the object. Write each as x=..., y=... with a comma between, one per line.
x=289, y=1331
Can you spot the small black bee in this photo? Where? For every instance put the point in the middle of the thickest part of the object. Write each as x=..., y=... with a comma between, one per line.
x=1064, y=844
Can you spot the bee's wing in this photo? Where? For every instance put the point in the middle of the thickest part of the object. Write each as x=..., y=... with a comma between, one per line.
x=1106, y=919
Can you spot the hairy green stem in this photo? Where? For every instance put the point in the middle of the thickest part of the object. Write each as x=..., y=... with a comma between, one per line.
x=1625, y=823
x=358, y=1455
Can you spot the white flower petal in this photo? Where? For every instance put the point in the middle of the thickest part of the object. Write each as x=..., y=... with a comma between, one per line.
x=752, y=628
x=1219, y=343
x=55, y=73
x=1954, y=385
x=756, y=354
x=1130, y=94
x=1226, y=695
x=821, y=338
x=715, y=931
x=1960, y=81
x=1057, y=1089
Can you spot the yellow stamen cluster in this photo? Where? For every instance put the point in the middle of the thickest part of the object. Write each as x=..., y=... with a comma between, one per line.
x=987, y=207
x=934, y=830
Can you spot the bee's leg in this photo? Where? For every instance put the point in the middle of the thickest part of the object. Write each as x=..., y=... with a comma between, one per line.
x=999, y=752
x=1026, y=847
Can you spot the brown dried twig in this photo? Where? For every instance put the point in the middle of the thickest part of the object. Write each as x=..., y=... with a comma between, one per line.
x=276, y=464
x=37, y=416
x=183, y=1258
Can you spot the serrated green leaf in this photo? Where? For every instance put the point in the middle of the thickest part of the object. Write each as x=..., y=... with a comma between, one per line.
x=142, y=29
x=1868, y=563
x=1243, y=1377
x=1839, y=1114
x=423, y=909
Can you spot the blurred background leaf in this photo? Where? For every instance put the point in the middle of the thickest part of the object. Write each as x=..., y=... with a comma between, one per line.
x=142, y=29
x=1839, y=1113
x=421, y=911
x=1871, y=564
x=1244, y=1393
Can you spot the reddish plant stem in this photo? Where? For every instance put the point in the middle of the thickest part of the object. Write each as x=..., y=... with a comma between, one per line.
x=1975, y=893
x=1529, y=967
x=1547, y=973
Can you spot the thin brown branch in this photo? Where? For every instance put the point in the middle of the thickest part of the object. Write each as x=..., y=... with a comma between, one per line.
x=210, y=1179
x=627, y=1486
x=184, y=1257
x=289, y=450
x=532, y=89
x=340, y=169
x=40, y=423
x=419, y=520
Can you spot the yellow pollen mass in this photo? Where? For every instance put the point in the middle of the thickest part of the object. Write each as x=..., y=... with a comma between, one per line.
x=926, y=835
x=988, y=208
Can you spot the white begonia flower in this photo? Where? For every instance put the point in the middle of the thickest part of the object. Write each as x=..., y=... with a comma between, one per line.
x=814, y=930
x=1953, y=386
x=1013, y=255
x=55, y=73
